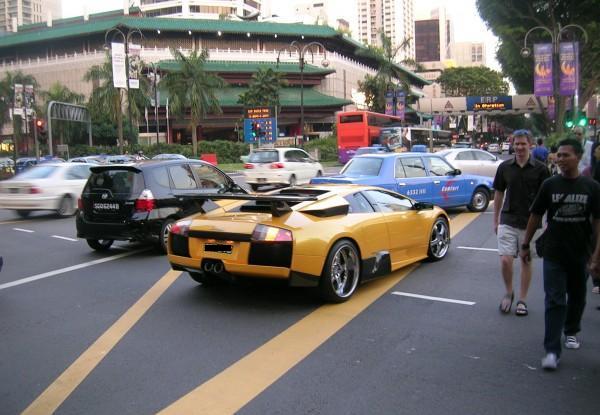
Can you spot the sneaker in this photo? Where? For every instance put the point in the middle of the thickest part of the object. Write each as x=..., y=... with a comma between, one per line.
x=596, y=290
x=571, y=342
x=550, y=361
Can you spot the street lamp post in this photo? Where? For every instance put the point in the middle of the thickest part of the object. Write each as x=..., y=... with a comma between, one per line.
x=301, y=53
x=556, y=35
x=154, y=79
x=126, y=37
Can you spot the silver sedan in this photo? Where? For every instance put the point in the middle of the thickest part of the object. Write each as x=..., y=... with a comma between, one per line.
x=472, y=161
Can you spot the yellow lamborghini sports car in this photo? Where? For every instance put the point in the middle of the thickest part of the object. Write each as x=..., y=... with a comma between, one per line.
x=328, y=236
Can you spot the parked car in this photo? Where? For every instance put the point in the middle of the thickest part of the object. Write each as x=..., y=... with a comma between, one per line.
x=472, y=161
x=494, y=148
x=287, y=166
x=462, y=144
x=506, y=147
x=25, y=163
x=119, y=159
x=47, y=186
x=166, y=156
x=137, y=202
x=425, y=177
x=372, y=149
x=87, y=159
x=330, y=237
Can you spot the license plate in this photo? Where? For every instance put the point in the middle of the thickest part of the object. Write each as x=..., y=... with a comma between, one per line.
x=106, y=207
x=14, y=190
x=261, y=180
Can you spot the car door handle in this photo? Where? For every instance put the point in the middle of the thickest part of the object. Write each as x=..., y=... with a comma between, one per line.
x=402, y=184
x=436, y=182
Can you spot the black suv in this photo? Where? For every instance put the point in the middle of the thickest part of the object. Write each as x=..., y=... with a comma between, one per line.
x=137, y=202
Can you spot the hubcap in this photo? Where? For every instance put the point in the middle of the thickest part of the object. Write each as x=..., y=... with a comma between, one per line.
x=166, y=233
x=65, y=207
x=440, y=240
x=345, y=271
x=479, y=200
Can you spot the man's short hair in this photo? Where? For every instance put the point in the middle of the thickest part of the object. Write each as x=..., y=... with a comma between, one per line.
x=540, y=141
x=575, y=144
x=522, y=133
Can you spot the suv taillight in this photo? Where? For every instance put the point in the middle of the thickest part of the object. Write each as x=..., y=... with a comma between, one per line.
x=146, y=202
x=277, y=165
x=79, y=204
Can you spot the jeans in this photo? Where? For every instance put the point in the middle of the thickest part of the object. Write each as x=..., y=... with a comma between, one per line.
x=564, y=285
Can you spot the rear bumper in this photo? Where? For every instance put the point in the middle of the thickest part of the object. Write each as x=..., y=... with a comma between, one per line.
x=128, y=231
x=267, y=178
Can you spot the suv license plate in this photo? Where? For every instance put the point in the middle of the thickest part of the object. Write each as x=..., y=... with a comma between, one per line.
x=103, y=206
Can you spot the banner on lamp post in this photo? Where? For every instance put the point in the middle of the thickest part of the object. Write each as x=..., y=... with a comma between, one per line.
x=569, y=67
x=389, y=103
x=29, y=99
x=400, y=104
x=133, y=65
x=542, y=72
x=18, y=103
x=118, y=65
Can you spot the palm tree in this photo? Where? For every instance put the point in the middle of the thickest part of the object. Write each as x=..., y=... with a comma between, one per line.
x=194, y=88
x=110, y=100
x=263, y=90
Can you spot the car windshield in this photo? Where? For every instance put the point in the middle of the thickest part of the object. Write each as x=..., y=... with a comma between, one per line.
x=363, y=166
x=38, y=172
x=264, y=157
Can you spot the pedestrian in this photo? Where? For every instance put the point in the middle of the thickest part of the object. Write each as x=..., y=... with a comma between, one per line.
x=595, y=174
x=540, y=152
x=572, y=205
x=516, y=183
x=552, y=166
x=586, y=145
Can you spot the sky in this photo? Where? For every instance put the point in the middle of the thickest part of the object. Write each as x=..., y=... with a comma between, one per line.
x=466, y=22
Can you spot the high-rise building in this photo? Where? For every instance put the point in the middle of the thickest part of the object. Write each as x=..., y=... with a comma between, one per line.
x=433, y=38
x=20, y=12
x=202, y=9
x=468, y=53
x=392, y=17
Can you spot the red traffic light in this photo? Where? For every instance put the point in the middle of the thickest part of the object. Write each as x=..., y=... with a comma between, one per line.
x=592, y=121
x=39, y=123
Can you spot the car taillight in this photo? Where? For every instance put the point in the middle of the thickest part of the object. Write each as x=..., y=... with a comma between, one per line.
x=271, y=234
x=277, y=165
x=34, y=190
x=79, y=204
x=145, y=202
x=248, y=166
x=181, y=227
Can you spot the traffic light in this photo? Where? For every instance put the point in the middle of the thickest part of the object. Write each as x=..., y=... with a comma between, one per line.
x=582, y=120
x=569, y=122
x=255, y=129
x=40, y=126
x=592, y=121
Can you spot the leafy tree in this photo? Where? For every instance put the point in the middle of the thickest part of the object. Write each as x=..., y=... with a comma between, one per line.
x=61, y=128
x=473, y=81
x=6, y=97
x=194, y=88
x=263, y=90
x=511, y=19
x=389, y=74
x=106, y=99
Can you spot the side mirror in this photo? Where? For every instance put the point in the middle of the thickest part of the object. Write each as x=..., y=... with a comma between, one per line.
x=456, y=172
x=422, y=206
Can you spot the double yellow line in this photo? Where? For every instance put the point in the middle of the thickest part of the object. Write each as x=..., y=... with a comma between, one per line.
x=238, y=384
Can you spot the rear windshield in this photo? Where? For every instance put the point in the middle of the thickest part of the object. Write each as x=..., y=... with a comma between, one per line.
x=348, y=119
x=39, y=172
x=264, y=157
x=363, y=166
x=119, y=182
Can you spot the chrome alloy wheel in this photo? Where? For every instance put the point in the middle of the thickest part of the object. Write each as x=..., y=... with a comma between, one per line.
x=345, y=271
x=439, y=241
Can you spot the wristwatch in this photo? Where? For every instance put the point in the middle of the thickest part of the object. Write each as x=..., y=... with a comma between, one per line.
x=524, y=246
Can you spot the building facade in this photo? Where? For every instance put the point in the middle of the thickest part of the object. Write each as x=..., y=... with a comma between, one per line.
x=468, y=53
x=14, y=13
x=433, y=38
x=394, y=18
x=200, y=9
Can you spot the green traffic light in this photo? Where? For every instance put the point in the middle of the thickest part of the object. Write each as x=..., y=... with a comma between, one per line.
x=569, y=123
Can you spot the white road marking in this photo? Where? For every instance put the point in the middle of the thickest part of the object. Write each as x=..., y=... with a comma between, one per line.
x=69, y=269
x=472, y=248
x=23, y=230
x=426, y=297
x=64, y=237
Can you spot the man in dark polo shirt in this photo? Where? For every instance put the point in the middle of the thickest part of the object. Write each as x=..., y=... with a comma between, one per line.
x=516, y=183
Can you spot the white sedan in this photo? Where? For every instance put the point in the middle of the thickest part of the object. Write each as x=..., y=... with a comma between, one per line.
x=48, y=186
x=287, y=166
x=472, y=161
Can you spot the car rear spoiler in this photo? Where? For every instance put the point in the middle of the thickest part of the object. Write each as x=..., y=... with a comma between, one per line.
x=100, y=169
x=279, y=203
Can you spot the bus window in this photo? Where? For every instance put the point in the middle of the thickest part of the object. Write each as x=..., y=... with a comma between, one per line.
x=347, y=119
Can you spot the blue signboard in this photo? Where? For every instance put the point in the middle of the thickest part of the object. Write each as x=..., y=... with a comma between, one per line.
x=260, y=130
x=491, y=103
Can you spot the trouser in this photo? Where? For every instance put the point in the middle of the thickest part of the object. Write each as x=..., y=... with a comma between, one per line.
x=564, y=285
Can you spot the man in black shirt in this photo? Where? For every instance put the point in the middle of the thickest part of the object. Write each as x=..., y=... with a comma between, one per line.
x=516, y=184
x=572, y=203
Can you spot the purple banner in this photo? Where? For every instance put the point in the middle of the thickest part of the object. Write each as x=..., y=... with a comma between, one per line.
x=542, y=73
x=389, y=103
x=569, y=67
x=400, y=104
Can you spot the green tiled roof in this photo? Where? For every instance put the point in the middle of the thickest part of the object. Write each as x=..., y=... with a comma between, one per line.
x=288, y=97
x=232, y=66
x=100, y=23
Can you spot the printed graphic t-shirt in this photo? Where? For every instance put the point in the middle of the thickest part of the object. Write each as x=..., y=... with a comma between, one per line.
x=571, y=205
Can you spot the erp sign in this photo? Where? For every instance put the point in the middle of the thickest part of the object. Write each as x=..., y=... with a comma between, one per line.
x=501, y=102
x=260, y=130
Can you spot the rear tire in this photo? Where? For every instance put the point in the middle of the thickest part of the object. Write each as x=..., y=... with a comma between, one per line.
x=65, y=207
x=23, y=213
x=479, y=201
x=341, y=272
x=99, y=244
x=163, y=238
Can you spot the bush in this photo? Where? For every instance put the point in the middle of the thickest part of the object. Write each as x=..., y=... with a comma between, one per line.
x=327, y=148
